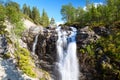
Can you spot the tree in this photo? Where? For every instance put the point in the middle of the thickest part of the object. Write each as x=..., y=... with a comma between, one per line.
x=24, y=9
x=14, y=16
x=68, y=13
x=117, y=3
x=52, y=21
x=2, y=19
x=44, y=19
x=80, y=15
x=14, y=4
x=27, y=11
x=35, y=15
x=13, y=12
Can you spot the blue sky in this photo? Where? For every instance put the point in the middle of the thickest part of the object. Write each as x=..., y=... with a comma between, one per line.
x=53, y=7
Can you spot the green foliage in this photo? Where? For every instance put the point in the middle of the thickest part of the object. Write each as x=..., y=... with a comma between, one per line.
x=13, y=12
x=2, y=19
x=111, y=48
x=90, y=50
x=52, y=21
x=102, y=13
x=44, y=19
x=82, y=51
x=26, y=10
x=68, y=12
x=19, y=28
x=35, y=15
x=23, y=57
x=7, y=55
x=2, y=12
x=42, y=79
x=104, y=54
x=14, y=15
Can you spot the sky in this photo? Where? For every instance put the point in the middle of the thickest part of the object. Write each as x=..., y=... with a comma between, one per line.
x=53, y=7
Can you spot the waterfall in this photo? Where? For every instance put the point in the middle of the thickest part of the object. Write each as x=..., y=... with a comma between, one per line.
x=66, y=49
x=34, y=44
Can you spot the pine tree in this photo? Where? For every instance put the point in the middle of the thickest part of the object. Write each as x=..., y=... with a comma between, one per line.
x=35, y=15
x=52, y=21
x=24, y=9
x=44, y=19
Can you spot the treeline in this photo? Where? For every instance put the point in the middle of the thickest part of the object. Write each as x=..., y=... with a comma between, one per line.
x=11, y=11
x=34, y=14
x=14, y=13
x=102, y=14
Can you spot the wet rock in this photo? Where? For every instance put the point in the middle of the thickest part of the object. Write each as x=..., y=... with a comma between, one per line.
x=47, y=54
x=46, y=50
x=28, y=36
x=45, y=47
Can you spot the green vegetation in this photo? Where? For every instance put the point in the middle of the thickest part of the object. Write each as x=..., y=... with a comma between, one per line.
x=19, y=28
x=102, y=56
x=14, y=15
x=24, y=61
x=52, y=21
x=44, y=19
x=42, y=79
x=2, y=19
x=105, y=56
x=34, y=14
x=7, y=55
x=11, y=11
x=102, y=14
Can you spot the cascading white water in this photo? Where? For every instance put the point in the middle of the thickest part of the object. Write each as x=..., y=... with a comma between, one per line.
x=34, y=44
x=66, y=49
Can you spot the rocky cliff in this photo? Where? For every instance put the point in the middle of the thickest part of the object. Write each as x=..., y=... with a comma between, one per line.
x=46, y=48
x=45, y=55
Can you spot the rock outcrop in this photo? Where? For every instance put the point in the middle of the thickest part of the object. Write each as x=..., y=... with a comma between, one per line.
x=46, y=46
x=85, y=36
x=3, y=44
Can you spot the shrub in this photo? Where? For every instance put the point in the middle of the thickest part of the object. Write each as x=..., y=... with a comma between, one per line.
x=89, y=49
x=23, y=57
x=19, y=28
x=7, y=55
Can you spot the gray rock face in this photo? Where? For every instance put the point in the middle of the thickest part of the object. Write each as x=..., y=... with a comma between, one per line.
x=102, y=31
x=85, y=36
x=3, y=44
x=46, y=47
x=9, y=71
x=29, y=35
